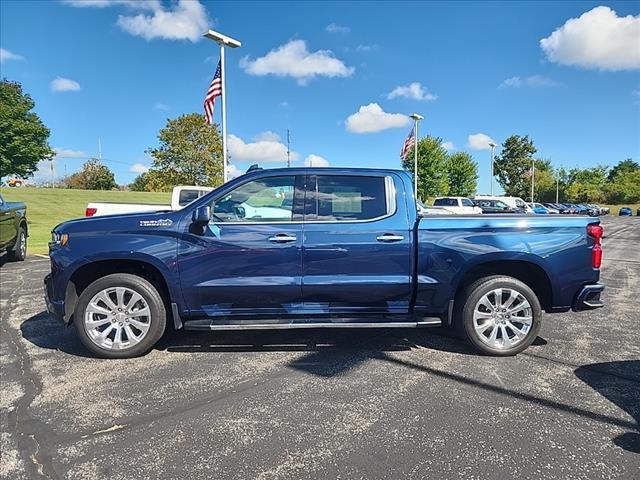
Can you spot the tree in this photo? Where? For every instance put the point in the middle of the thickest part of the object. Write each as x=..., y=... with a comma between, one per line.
x=625, y=188
x=190, y=153
x=587, y=185
x=432, y=167
x=514, y=163
x=462, y=174
x=140, y=183
x=623, y=167
x=23, y=136
x=93, y=176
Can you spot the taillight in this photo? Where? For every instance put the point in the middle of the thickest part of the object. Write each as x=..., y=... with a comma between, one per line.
x=595, y=231
x=90, y=212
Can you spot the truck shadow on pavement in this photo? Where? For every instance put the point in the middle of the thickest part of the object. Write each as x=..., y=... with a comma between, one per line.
x=611, y=380
x=335, y=352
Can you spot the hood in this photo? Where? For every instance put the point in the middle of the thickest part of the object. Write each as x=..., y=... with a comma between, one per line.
x=120, y=222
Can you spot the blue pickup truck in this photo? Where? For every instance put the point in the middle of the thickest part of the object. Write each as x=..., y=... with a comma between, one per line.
x=314, y=248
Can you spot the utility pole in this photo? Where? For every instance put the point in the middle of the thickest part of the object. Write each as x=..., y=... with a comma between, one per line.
x=533, y=176
x=99, y=150
x=53, y=172
x=223, y=41
x=416, y=118
x=493, y=146
x=288, y=148
x=557, y=187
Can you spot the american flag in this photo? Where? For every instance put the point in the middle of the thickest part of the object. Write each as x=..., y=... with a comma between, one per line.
x=408, y=144
x=528, y=173
x=215, y=90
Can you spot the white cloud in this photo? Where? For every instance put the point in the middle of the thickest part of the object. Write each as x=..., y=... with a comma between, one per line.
x=260, y=151
x=161, y=106
x=6, y=55
x=480, y=141
x=61, y=84
x=598, y=39
x=335, y=28
x=366, y=48
x=413, y=91
x=448, y=146
x=532, y=81
x=184, y=20
x=139, y=168
x=233, y=171
x=294, y=60
x=315, y=161
x=69, y=153
x=267, y=136
x=371, y=118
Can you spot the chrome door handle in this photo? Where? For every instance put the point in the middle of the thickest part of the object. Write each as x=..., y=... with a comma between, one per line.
x=282, y=238
x=388, y=237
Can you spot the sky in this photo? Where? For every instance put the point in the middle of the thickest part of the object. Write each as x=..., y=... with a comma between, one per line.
x=342, y=77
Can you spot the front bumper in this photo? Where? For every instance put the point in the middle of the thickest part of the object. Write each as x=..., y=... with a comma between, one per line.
x=54, y=307
x=588, y=298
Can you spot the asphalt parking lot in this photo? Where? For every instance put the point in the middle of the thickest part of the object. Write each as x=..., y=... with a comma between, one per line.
x=377, y=404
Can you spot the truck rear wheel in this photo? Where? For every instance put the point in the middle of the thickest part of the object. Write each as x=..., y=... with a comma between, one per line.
x=120, y=316
x=500, y=315
x=19, y=251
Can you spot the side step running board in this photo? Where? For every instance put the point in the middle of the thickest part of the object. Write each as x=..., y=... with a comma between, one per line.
x=200, y=325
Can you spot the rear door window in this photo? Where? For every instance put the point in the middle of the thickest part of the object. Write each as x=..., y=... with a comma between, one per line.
x=340, y=198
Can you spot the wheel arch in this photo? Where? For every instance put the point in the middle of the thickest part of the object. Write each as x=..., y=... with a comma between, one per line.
x=89, y=272
x=527, y=271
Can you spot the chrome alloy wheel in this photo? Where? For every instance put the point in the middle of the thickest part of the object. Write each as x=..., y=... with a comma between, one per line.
x=23, y=245
x=117, y=318
x=502, y=318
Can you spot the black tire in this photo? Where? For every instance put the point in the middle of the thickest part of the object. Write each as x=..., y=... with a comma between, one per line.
x=469, y=298
x=157, y=318
x=18, y=253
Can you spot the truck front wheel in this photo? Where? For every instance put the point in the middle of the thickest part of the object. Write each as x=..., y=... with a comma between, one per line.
x=499, y=315
x=120, y=316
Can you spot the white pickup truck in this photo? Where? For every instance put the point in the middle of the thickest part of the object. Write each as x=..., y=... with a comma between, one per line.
x=180, y=197
x=457, y=205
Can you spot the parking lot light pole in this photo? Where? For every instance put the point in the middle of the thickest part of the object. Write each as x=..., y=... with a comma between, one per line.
x=223, y=41
x=416, y=118
x=493, y=147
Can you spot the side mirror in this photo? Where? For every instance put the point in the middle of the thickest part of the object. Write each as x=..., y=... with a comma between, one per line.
x=201, y=215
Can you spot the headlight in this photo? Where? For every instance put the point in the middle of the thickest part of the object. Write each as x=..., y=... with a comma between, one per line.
x=59, y=238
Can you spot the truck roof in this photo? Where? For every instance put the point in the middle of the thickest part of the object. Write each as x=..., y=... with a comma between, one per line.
x=333, y=170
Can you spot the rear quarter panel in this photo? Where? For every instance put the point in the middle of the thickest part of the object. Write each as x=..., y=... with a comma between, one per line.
x=448, y=247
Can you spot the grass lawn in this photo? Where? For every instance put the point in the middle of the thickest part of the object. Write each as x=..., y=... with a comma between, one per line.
x=47, y=207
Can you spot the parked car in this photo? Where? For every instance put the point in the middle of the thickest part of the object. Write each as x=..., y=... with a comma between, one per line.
x=427, y=210
x=625, y=212
x=457, y=205
x=571, y=208
x=494, y=206
x=516, y=203
x=551, y=208
x=638, y=212
x=365, y=260
x=538, y=208
x=180, y=197
x=13, y=229
x=17, y=182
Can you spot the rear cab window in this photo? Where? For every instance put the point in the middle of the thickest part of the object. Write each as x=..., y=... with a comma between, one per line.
x=348, y=198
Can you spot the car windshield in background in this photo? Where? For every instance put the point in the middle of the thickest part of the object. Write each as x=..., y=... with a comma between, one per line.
x=187, y=196
x=445, y=202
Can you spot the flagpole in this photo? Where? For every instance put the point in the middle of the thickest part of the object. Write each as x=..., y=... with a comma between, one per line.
x=416, y=118
x=223, y=41
x=223, y=113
